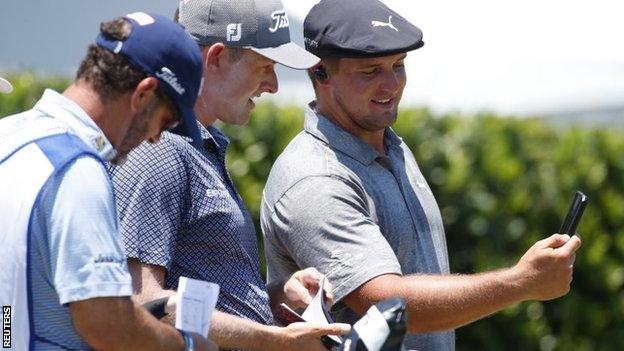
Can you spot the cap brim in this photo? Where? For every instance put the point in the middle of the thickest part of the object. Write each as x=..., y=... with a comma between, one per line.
x=5, y=86
x=188, y=127
x=290, y=55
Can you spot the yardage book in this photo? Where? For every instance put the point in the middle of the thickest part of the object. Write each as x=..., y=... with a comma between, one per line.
x=317, y=312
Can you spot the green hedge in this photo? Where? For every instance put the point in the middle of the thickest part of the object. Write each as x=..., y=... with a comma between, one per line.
x=27, y=89
x=501, y=184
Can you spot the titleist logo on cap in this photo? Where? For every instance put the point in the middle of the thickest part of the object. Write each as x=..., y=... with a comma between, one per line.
x=170, y=77
x=280, y=20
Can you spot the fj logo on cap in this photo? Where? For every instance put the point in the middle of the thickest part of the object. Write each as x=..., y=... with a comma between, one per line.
x=233, y=32
x=170, y=77
x=280, y=20
x=384, y=24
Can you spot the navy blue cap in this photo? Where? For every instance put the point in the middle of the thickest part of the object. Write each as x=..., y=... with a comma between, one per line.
x=358, y=29
x=164, y=50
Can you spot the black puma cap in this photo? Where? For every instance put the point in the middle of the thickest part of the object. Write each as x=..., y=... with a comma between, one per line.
x=358, y=28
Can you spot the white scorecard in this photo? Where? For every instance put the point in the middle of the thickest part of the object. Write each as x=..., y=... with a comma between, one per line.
x=195, y=303
x=317, y=311
x=314, y=313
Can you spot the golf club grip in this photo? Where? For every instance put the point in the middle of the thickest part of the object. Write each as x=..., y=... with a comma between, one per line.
x=157, y=307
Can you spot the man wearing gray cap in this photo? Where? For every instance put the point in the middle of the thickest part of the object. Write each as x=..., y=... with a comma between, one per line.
x=180, y=214
x=347, y=197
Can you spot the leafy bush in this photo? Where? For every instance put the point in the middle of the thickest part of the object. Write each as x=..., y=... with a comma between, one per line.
x=501, y=184
x=27, y=89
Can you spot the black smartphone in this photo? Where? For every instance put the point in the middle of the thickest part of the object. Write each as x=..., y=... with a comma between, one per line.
x=575, y=212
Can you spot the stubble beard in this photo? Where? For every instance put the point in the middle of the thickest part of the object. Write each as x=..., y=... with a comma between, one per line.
x=369, y=122
x=136, y=133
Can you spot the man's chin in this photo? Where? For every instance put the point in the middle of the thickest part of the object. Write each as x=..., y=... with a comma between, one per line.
x=385, y=120
x=238, y=119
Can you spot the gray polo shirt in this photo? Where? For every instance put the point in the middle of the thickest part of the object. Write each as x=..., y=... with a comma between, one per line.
x=334, y=203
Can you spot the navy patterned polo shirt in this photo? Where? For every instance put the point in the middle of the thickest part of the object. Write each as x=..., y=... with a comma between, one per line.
x=179, y=209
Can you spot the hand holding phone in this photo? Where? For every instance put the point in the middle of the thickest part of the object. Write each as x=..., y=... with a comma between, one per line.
x=574, y=215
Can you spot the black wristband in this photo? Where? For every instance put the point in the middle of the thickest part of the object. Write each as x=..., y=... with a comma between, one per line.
x=157, y=307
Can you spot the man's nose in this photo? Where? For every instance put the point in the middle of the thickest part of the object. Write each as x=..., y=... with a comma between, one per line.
x=391, y=82
x=270, y=84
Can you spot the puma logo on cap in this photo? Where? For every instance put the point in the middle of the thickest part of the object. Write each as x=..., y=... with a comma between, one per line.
x=384, y=24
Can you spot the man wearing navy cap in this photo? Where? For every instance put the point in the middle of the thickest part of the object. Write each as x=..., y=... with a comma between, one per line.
x=64, y=282
x=347, y=197
x=180, y=213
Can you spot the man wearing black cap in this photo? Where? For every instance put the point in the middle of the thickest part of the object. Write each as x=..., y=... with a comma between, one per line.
x=347, y=197
x=180, y=213
x=64, y=283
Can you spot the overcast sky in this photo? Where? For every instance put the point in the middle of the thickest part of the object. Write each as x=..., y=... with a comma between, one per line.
x=516, y=57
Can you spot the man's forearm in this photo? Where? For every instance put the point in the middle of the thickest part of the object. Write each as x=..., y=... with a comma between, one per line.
x=544, y=272
x=166, y=334
x=230, y=331
x=226, y=330
x=121, y=324
x=441, y=302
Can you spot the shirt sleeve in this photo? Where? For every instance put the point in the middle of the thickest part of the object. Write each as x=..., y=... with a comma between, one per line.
x=85, y=255
x=150, y=188
x=325, y=222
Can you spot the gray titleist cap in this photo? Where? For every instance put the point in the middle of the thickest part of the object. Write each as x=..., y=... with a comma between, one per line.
x=259, y=25
x=5, y=86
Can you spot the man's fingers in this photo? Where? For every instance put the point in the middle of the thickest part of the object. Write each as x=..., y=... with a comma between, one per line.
x=311, y=277
x=329, y=298
x=570, y=246
x=555, y=241
x=313, y=272
x=303, y=294
x=328, y=288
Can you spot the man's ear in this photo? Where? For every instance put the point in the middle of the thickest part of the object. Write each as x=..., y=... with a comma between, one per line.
x=214, y=56
x=143, y=93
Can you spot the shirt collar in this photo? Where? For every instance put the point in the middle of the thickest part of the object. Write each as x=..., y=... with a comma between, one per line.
x=68, y=112
x=213, y=138
x=212, y=135
x=322, y=128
